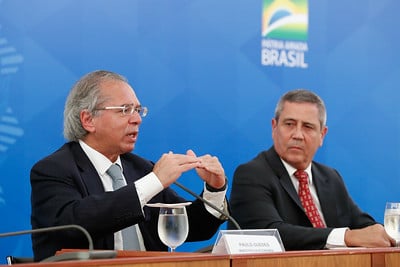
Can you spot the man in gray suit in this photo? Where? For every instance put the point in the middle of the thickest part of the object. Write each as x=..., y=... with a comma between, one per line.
x=265, y=189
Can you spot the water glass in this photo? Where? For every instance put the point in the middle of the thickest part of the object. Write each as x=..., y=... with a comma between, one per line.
x=173, y=226
x=392, y=220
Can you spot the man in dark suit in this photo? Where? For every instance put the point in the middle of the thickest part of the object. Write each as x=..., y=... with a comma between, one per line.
x=265, y=190
x=72, y=186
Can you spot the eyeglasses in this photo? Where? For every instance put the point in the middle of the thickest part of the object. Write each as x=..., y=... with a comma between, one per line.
x=128, y=110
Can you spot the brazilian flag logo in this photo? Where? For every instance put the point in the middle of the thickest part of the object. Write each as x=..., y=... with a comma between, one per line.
x=285, y=20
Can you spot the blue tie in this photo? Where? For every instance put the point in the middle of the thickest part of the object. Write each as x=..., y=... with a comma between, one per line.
x=129, y=235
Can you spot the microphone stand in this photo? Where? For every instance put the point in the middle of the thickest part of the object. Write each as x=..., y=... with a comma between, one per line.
x=53, y=228
x=208, y=203
x=75, y=255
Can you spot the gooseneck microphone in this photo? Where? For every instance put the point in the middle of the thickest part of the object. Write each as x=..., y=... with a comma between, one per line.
x=75, y=255
x=208, y=203
x=53, y=228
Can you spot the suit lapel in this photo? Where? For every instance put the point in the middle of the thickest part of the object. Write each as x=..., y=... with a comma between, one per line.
x=284, y=179
x=325, y=196
x=88, y=173
x=129, y=173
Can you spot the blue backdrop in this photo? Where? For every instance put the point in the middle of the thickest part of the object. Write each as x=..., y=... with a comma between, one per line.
x=197, y=66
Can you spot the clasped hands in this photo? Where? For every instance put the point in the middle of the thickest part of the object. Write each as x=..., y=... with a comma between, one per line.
x=171, y=166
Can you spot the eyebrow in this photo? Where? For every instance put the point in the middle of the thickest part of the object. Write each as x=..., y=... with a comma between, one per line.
x=302, y=122
x=131, y=104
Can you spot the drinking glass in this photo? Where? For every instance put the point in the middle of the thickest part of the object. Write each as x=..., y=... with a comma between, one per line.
x=173, y=226
x=392, y=220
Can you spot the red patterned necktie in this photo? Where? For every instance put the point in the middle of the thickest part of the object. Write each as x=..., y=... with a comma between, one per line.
x=307, y=201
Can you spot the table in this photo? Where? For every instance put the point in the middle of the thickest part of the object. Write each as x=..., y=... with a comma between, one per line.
x=144, y=259
x=352, y=257
x=357, y=257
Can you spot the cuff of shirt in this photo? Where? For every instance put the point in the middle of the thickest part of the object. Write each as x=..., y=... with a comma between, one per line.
x=336, y=238
x=217, y=198
x=212, y=189
x=147, y=187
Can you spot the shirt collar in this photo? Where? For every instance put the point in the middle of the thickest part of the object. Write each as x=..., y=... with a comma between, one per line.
x=291, y=170
x=101, y=163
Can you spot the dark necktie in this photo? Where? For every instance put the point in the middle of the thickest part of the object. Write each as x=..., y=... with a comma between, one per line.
x=129, y=235
x=307, y=200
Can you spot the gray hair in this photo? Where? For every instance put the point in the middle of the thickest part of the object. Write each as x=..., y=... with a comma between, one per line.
x=302, y=96
x=85, y=95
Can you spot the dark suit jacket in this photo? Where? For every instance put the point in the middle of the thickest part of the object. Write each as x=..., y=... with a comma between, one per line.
x=66, y=189
x=263, y=196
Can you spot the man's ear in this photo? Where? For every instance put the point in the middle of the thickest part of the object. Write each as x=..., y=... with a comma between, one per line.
x=87, y=120
x=323, y=134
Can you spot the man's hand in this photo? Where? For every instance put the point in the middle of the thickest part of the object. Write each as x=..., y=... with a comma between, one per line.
x=371, y=236
x=171, y=166
x=210, y=170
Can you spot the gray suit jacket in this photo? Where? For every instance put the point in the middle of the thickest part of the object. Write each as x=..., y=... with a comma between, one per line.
x=263, y=196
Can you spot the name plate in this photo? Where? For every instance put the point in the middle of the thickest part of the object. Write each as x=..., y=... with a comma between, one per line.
x=248, y=241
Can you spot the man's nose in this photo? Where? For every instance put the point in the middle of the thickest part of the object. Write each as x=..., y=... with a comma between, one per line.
x=298, y=132
x=135, y=118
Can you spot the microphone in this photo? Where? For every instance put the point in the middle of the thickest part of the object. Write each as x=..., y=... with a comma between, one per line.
x=208, y=203
x=75, y=255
